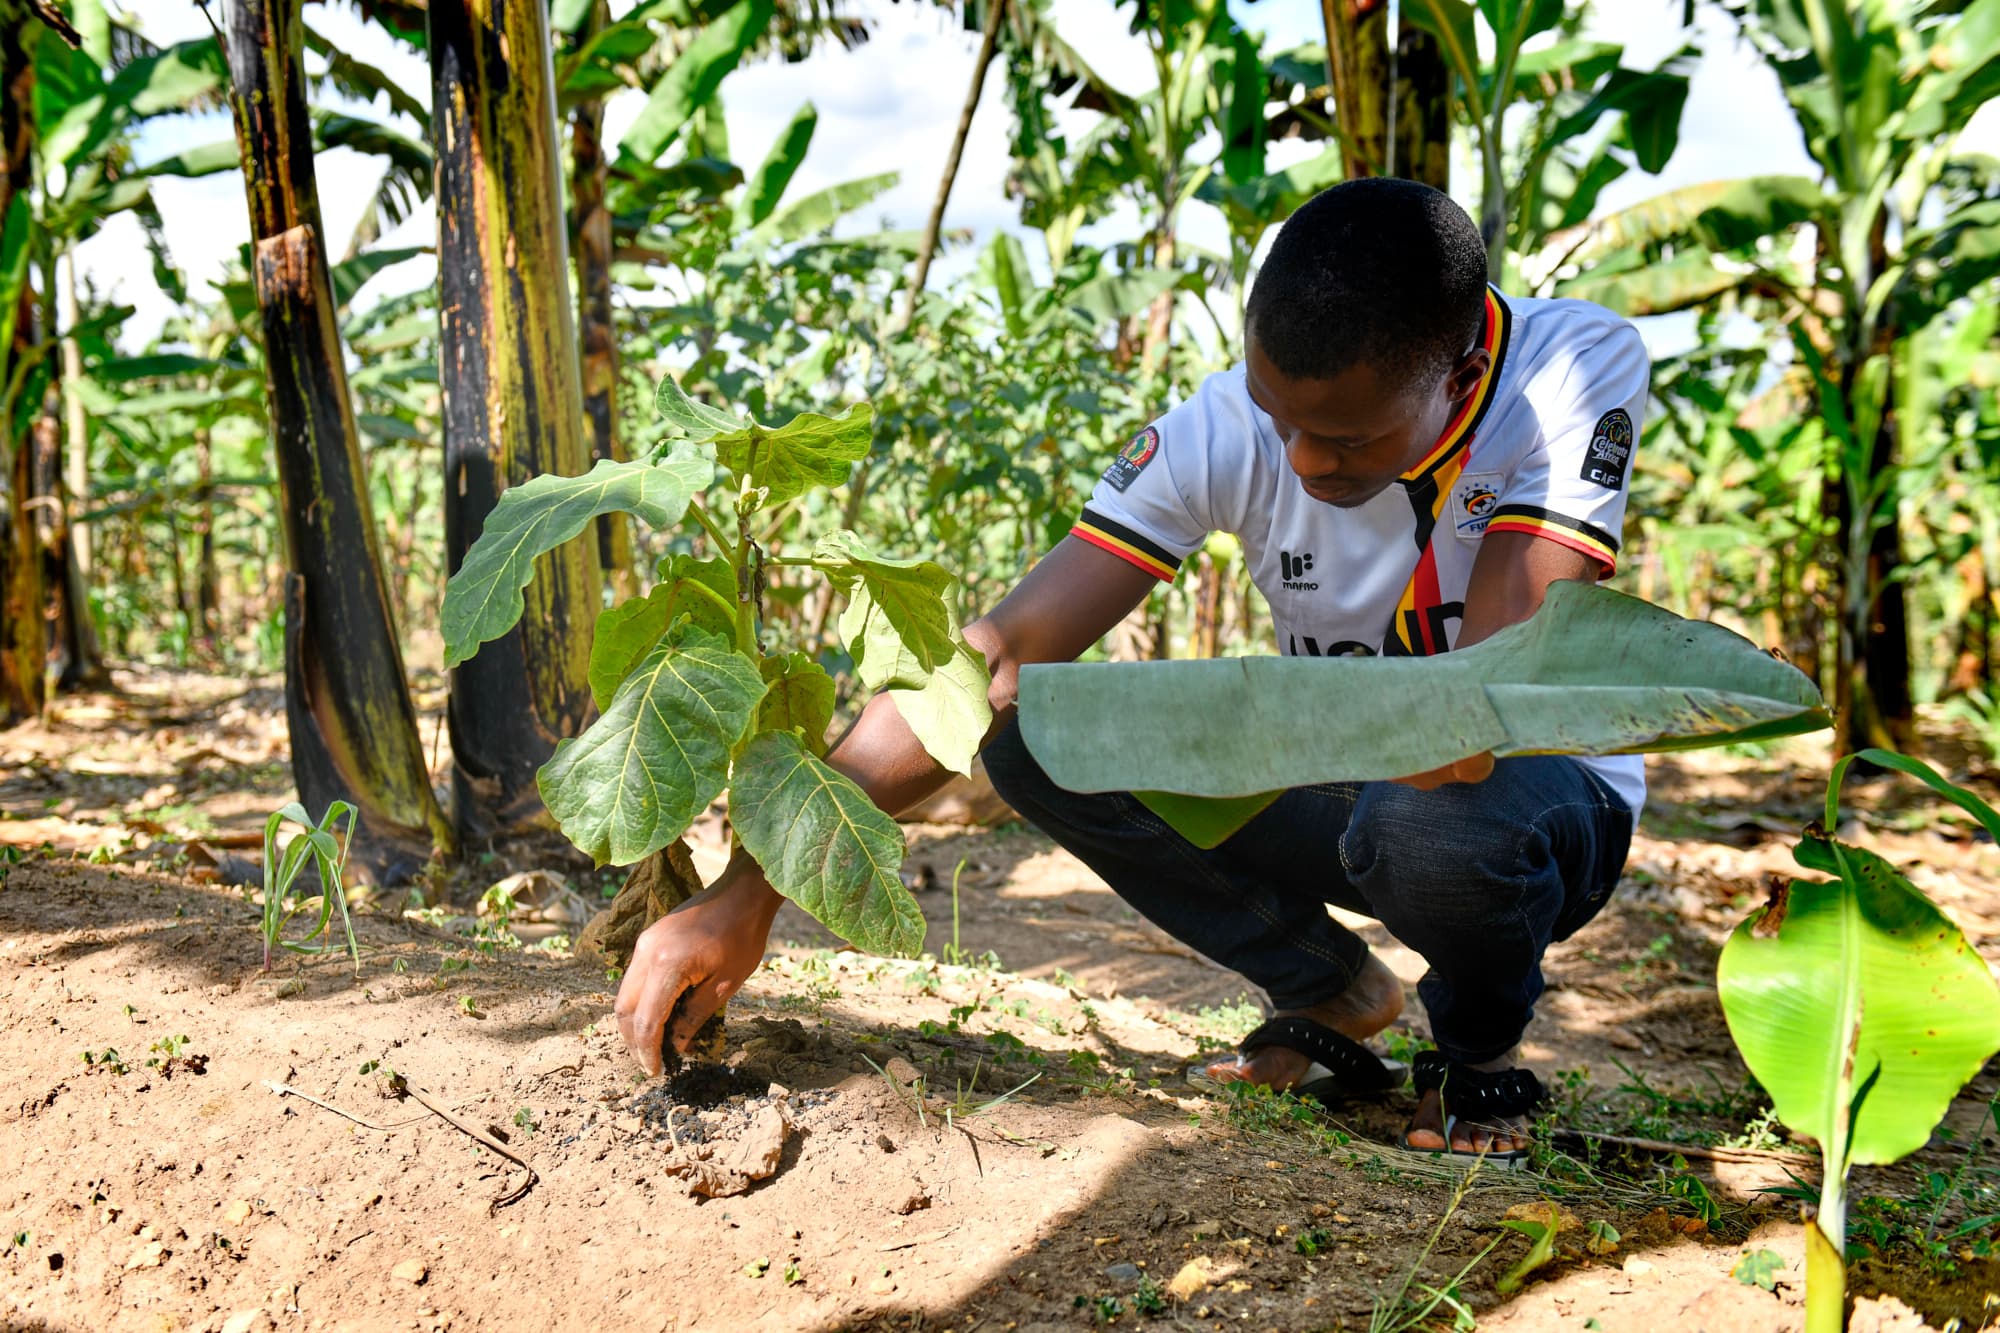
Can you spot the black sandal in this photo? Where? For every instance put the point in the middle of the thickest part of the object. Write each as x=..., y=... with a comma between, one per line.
x=1342, y=1068
x=1477, y=1095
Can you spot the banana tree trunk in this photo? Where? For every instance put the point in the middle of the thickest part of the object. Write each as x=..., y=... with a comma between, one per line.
x=1368, y=101
x=353, y=728
x=513, y=401
x=23, y=631
x=590, y=234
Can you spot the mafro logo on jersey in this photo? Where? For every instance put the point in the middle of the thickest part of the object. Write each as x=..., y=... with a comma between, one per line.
x=1138, y=452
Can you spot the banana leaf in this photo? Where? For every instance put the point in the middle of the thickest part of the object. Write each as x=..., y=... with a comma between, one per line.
x=1593, y=673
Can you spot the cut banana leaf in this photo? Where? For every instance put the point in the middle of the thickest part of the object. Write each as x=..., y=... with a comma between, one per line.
x=1593, y=673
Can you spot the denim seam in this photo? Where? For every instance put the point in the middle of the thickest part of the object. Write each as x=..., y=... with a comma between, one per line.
x=1146, y=819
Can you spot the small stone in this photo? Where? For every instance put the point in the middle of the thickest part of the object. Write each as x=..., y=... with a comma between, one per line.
x=412, y=1271
x=246, y=1321
x=627, y=1124
x=901, y=1070
x=885, y=1143
x=882, y=1286
x=779, y=1090
x=914, y=1201
x=1622, y=1039
x=1321, y=1210
x=1127, y=1273
x=1194, y=1278
x=1637, y=1267
x=149, y=1255
x=149, y=1232
x=237, y=1212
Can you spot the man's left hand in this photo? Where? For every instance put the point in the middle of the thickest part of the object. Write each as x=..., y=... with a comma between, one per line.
x=1473, y=768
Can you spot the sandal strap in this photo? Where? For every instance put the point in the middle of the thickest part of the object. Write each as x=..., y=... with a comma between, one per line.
x=1477, y=1093
x=1346, y=1059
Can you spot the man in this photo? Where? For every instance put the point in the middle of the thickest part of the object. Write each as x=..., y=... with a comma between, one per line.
x=1410, y=460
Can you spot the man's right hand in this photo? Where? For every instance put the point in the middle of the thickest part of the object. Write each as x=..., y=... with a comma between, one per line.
x=703, y=950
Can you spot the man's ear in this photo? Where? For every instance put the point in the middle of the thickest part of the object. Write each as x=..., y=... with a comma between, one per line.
x=1466, y=374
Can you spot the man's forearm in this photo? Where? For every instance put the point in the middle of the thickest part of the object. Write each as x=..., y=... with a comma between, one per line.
x=885, y=758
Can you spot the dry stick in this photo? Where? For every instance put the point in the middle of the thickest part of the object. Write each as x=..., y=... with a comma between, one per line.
x=928, y=247
x=287, y=1090
x=1740, y=1155
x=484, y=1139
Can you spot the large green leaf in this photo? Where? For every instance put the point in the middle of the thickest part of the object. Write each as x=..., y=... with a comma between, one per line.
x=951, y=713
x=807, y=451
x=638, y=776
x=799, y=695
x=819, y=210
x=1594, y=672
x=693, y=78
x=483, y=599
x=760, y=197
x=1003, y=266
x=1865, y=964
x=701, y=590
x=1723, y=215
x=1687, y=279
x=899, y=624
x=824, y=845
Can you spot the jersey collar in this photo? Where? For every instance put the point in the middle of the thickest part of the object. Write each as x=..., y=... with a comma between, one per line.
x=1457, y=435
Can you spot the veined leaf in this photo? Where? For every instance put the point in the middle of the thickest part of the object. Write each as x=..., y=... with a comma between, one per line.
x=951, y=713
x=639, y=775
x=205, y=160
x=1866, y=960
x=698, y=421
x=899, y=625
x=1594, y=672
x=810, y=450
x=628, y=631
x=824, y=845
x=1687, y=279
x=349, y=276
x=1003, y=265
x=483, y=600
x=798, y=694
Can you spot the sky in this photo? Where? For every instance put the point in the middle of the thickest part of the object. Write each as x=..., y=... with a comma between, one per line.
x=891, y=105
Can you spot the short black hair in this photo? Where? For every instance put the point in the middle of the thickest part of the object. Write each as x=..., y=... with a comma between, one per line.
x=1379, y=270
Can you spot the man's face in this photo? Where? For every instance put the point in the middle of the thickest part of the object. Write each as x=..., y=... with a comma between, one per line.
x=1350, y=436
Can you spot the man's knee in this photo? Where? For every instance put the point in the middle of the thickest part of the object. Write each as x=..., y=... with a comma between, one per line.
x=1426, y=849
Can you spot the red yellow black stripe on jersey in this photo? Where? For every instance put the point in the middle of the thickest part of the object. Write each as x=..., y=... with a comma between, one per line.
x=1127, y=545
x=1417, y=629
x=1593, y=541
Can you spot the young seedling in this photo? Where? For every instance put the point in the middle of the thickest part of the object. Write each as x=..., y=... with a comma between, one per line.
x=695, y=702
x=319, y=848
x=1862, y=1010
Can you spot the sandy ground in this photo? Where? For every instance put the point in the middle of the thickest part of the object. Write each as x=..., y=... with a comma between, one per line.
x=1006, y=1144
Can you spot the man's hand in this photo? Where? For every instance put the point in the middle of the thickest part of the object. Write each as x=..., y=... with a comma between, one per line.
x=696, y=956
x=1473, y=768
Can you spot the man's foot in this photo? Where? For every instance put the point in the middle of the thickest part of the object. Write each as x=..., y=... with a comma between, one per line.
x=1371, y=1004
x=1501, y=1134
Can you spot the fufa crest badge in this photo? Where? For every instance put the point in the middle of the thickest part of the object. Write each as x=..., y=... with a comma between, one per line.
x=1132, y=459
x=1473, y=501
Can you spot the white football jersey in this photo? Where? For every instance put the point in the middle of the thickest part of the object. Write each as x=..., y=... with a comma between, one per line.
x=1543, y=446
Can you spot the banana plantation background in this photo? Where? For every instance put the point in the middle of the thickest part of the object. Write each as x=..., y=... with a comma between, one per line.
x=281, y=473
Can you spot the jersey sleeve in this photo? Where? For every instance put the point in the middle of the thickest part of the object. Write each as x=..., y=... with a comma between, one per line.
x=1156, y=503
x=1571, y=488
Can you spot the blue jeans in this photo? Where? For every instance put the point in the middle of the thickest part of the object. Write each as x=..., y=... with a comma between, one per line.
x=1478, y=878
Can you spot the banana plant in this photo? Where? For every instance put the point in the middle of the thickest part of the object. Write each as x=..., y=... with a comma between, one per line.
x=1894, y=238
x=1861, y=1009
x=1568, y=88
x=692, y=701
